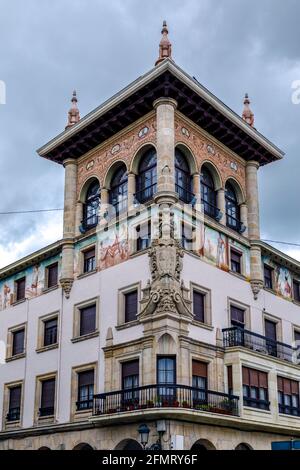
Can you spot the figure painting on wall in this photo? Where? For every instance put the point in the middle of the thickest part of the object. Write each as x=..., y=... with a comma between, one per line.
x=6, y=296
x=221, y=252
x=283, y=282
x=113, y=253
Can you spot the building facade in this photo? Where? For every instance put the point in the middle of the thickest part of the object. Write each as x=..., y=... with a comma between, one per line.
x=160, y=305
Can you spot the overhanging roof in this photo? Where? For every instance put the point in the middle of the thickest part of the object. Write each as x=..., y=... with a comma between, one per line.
x=136, y=100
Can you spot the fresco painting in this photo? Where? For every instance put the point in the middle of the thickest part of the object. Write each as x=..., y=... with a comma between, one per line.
x=215, y=248
x=35, y=282
x=113, y=246
x=283, y=279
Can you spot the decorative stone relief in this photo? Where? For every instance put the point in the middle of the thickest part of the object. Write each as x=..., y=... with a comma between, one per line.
x=66, y=285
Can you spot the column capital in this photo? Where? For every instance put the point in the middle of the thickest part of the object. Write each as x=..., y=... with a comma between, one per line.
x=69, y=161
x=253, y=163
x=161, y=101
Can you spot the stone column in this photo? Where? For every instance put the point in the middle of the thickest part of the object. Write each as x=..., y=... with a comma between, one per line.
x=253, y=226
x=165, y=141
x=104, y=198
x=78, y=217
x=221, y=205
x=197, y=188
x=244, y=218
x=131, y=191
x=67, y=273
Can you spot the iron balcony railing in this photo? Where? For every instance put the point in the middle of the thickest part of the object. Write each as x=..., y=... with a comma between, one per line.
x=84, y=404
x=46, y=411
x=145, y=194
x=184, y=194
x=211, y=210
x=235, y=224
x=170, y=396
x=13, y=414
x=289, y=410
x=237, y=336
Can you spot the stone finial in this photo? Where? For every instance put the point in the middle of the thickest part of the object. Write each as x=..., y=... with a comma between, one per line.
x=165, y=47
x=248, y=115
x=73, y=115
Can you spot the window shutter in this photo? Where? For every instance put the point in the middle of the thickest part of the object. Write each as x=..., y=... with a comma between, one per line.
x=199, y=369
x=130, y=368
x=254, y=378
x=280, y=384
x=87, y=320
x=246, y=376
x=21, y=288
x=237, y=315
x=295, y=387
x=263, y=379
x=131, y=302
x=52, y=275
x=48, y=393
x=229, y=377
x=235, y=256
x=86, y=378
x=15, y=397
x=198, y=305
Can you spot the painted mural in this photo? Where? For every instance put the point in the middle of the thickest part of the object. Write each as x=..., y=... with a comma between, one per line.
x=215, y=248
x=35, y=282
x=283, y=279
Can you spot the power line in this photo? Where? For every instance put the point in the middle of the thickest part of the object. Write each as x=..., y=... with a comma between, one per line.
x=282, y=243
x=30, y=212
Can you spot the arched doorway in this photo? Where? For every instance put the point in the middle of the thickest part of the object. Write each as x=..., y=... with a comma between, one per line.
x=83, y=446
x=128, y=444
x=202, y=444
x=44, y=448
x=243, y=446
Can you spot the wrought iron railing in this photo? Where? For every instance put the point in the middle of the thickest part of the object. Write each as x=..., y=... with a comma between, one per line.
x=289, y=410
x=184, y=194
x=235, y=224
x=46, y=411
x=165, y=396
x=211, y=210
x=84, y=405
x=146, y=194
x=90, y=222
x=13, y=414
x=237, y=336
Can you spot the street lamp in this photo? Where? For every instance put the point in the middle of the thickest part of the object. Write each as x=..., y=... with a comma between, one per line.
x=144, y=434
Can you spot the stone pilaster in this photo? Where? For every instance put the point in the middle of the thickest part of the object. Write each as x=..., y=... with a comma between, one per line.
x=253, y=226
x=221, y=205
x=67, y=273
x=165, y=141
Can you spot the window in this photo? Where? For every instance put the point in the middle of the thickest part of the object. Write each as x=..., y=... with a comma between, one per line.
x=130, y=380
x=166, y=374
x=288, y=396
x=237, y=316
x=146, y=181
x=85, y=390
x=89, y=260
x=14, y=407
x=131, y=306
x=199, y=380
x=255, y=388
x=20, y=289
x=87, y=320
x=208, y=194
x=91, y=206
x=199, y=306
x=18, y=338
x=183, y=180
x=297, y=336
x=50, y=332
x=47, y=397
x=118, y=190
x=271, y=335
x=232, y=208
x=268, y=277
x=143, y=236
x=52, y=275
x=236, y=261
x=296, y=289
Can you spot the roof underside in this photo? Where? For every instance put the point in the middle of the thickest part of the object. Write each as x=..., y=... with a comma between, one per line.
x=138, y=103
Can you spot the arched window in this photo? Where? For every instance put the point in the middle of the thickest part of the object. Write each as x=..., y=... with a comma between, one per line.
x=208, y=194
x=232, y=208
x=146, y=181
x=118, y=190
x=243, y=446
x=91, y=206
x=183, y=180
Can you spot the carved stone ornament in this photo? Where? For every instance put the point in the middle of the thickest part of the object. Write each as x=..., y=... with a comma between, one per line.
x=165, y=294
x=66, y=285
x=256, y=286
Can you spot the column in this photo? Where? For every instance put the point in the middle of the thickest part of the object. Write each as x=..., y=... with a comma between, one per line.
x=221, y=205
x=197, y=188
x=165, y=141
x=253, y=226
x=78, y=217
x=104, y=198
x=67, y=273
x=131, y=191
x=244, y=218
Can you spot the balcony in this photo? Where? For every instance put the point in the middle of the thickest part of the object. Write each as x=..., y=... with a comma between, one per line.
x=237, y=336
x=165, y=396
x=211, y=210
x=235, y=224
x=13, y=414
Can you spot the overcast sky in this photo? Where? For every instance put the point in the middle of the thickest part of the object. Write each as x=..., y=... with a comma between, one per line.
x=50, y=47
